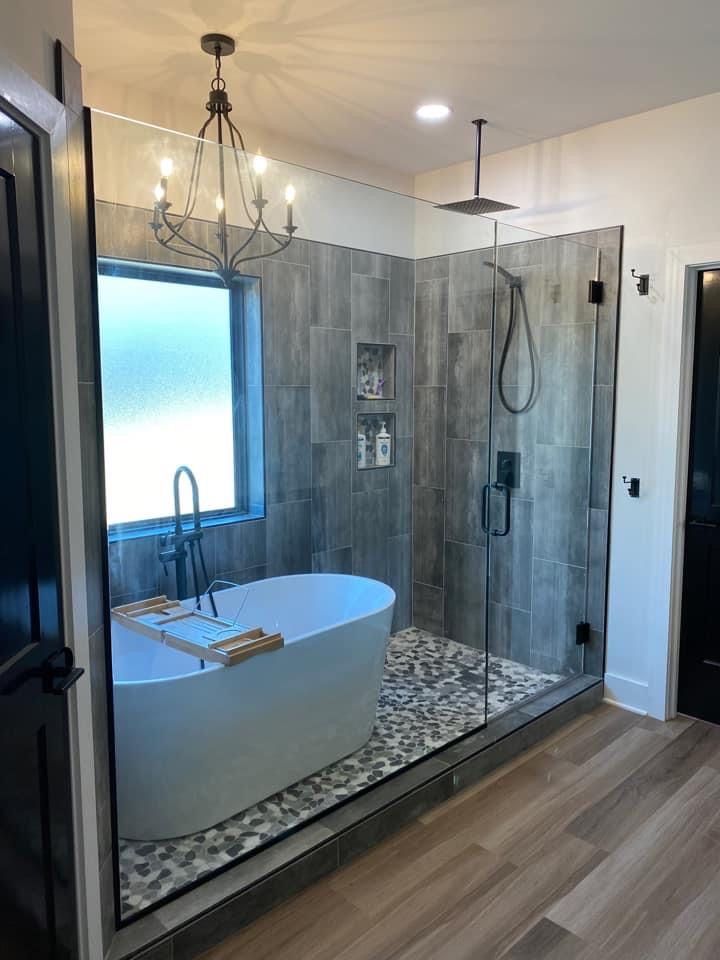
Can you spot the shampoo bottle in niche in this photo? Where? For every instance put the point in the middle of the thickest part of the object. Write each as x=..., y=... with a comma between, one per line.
x=382, y=448
x=361, y=450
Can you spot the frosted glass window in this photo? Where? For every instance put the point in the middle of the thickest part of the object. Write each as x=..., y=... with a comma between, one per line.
x=168, y=387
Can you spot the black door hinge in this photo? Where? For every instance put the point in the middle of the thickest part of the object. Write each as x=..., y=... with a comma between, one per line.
x=595, y=291
x=582, y=633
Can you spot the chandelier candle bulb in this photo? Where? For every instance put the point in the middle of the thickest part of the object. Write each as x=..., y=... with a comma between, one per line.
x=259, y=166
x=289, y=199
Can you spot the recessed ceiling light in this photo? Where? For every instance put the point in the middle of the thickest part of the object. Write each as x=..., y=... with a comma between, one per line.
x=433, y=111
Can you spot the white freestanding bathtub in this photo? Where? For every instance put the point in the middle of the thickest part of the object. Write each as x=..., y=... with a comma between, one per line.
x=195, y=746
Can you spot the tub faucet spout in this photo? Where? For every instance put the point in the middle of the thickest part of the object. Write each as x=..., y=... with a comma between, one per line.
x=175, y=546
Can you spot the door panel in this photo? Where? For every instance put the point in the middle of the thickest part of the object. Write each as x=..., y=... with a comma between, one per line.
x=37, y=891
x=540, y=456
x=699, y=677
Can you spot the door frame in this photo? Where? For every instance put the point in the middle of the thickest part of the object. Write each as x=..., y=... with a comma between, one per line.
x=673, y=425
x=22, y=98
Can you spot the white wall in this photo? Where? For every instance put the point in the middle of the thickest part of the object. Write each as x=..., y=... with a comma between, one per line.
x=656, y=173
x=29, y=31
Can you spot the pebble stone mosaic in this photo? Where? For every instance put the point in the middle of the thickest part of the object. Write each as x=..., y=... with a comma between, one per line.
x=433, y=692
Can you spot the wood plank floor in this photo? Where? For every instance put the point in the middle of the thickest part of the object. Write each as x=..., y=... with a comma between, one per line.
x=601, y=842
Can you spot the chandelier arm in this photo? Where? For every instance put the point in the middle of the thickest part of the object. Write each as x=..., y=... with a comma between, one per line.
x=233, y=131
x=282, y=244
x=243, y=246
x=195, y=173
x=262, y=256
x=185, y=253
x=178, y=236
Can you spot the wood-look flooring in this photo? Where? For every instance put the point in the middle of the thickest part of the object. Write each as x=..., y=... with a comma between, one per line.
x=601, y=843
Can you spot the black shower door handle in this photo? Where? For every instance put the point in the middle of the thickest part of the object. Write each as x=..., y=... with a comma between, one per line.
x=506, y=528
x=485, y=509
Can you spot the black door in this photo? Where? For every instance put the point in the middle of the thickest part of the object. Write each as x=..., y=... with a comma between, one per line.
x=699, y=680
x=37, y=895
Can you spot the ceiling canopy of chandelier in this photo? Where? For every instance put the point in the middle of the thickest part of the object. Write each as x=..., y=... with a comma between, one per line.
x=175, y=231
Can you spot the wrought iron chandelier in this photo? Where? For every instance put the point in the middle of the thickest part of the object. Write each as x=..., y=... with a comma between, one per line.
x=173, y=231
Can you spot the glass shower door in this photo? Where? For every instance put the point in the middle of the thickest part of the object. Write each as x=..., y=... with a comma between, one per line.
x=535, y=504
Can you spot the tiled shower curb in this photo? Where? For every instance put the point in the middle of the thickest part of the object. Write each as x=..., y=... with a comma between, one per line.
x=206, y=915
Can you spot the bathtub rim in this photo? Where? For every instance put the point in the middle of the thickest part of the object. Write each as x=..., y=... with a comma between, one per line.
x=304, y=636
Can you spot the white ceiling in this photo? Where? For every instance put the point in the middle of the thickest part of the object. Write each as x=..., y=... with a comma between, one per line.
x=347, y=74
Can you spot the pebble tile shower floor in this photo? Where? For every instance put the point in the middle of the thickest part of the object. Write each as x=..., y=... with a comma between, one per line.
x=432, y=693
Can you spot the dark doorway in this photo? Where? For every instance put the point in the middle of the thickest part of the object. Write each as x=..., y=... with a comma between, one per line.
x=37, y=883
x=699, y=678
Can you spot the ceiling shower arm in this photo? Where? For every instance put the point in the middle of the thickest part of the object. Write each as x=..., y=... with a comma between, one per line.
x=479, y=124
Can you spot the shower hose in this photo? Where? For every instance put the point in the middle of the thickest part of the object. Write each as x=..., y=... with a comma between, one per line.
x=516, y=288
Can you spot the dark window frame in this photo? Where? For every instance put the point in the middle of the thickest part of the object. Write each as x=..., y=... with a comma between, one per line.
x=242, y=288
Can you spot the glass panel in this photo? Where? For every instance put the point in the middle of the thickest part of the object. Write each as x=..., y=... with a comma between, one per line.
x=368, y=268
x=539, y=458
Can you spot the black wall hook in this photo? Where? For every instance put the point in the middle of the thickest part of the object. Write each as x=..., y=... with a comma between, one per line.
x=643, y=282
x=633, y=485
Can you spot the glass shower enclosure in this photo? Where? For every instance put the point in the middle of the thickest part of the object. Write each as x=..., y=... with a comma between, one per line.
x=404, y=394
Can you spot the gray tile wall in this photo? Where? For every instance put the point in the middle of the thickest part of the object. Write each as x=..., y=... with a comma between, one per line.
x=557, y=547
x=322, y=514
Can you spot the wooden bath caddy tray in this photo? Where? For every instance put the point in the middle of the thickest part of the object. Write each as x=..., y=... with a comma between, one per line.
x=200, y=635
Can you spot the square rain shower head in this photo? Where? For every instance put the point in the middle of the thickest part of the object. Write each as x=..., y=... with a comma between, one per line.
x=476, y=206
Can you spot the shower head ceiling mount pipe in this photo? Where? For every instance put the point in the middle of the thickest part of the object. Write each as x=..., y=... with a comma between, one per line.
x=175, y=231
x=476, y=206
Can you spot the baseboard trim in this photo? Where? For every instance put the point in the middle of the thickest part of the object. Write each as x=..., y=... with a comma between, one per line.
x=625, y=706
x=629, y=694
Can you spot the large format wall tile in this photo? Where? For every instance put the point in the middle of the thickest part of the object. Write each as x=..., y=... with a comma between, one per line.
x=402, y=296
x=597, y=569
x=566, y=391
x=287, y=470
x=432, y=268
x=602, y=447
x=431, y=306
x=511, y=556
x=329, y=384
x=428, y=524
x=515, y=433
x=558, y=606
x=134, y=566
x=239, y=546
x=369, y=534
x=329, y=286
x=400, y=489
x=465, y=566
x=370, y=308
x=333, y=561
x=509, y=632
x=470, y=295
x=286, y=323
x=399, y=577
x=466, y=476
x=429, y=443
x=288, y=538
x=468, y=391
x=331, y=508
x=371, y=264
x=404, y=359
x=561, y=504
x=427, y=607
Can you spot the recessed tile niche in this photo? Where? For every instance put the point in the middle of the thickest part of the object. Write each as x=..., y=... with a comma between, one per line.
x=369, y=425
x=375, y=371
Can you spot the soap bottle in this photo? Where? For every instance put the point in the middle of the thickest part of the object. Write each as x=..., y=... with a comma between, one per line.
x=361, y=450
x=382, y=448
